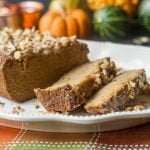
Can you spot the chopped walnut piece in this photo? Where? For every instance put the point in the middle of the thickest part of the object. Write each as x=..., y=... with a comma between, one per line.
x=135, y=108
x=1, y=105
x=64, y=41
x=73, y=38
x=104, y=72
x=28, y=42
x=17, y=55
x=46, y=52
x=17, y=110
x=37, y=106
x=129, y=109
x=133, y=84
x=131, y=96
x=138, y=107
x=98, y=81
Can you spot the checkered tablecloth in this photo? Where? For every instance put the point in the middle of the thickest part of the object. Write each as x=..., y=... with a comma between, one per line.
x=20, y=139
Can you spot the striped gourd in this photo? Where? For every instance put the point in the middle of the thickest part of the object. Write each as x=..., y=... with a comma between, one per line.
x=144, y=14
x=111, y=23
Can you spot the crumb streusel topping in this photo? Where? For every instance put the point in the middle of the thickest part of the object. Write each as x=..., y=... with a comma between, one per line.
x=21, y=43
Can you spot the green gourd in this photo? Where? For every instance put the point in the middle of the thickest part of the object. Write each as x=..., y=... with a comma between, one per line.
x=144, y=14
x=112, y=23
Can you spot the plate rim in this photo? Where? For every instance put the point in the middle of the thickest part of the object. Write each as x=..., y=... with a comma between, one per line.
x=31, y=117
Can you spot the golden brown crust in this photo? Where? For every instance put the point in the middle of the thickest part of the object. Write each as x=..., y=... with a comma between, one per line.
x=62, y=99
x=3, y=89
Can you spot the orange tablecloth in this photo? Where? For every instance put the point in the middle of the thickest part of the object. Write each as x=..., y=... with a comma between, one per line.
x=20, y=139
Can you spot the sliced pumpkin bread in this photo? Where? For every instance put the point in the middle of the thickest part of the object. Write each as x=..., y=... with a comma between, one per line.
x=31, y=60
x=116, y=95
x=76, y=86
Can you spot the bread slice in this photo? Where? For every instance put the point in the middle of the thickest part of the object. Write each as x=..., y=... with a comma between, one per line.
x=118, y=93
x=30, y=60
x=76, y=86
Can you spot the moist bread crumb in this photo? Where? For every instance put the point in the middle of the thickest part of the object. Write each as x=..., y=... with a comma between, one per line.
x=76, y=86
x=119, y=93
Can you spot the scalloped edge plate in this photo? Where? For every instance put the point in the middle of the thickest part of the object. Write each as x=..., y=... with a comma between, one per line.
x=126, y=56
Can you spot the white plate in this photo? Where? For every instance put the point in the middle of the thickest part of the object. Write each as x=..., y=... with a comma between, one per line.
x=126, y=56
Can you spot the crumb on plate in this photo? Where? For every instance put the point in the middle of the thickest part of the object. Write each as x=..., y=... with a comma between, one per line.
x=37, y=106
x=1, y=105
x=17, y=110
x=135, y=108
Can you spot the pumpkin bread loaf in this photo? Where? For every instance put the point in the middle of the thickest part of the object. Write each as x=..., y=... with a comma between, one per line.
x=76, y=86
x=31, y=60
x=119, y=93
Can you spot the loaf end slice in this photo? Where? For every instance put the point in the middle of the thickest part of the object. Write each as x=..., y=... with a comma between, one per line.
x=76, y=86
x=19, y=76
x=119, y=93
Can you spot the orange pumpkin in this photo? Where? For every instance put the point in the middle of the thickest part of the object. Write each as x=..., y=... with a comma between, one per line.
x=75, y=22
